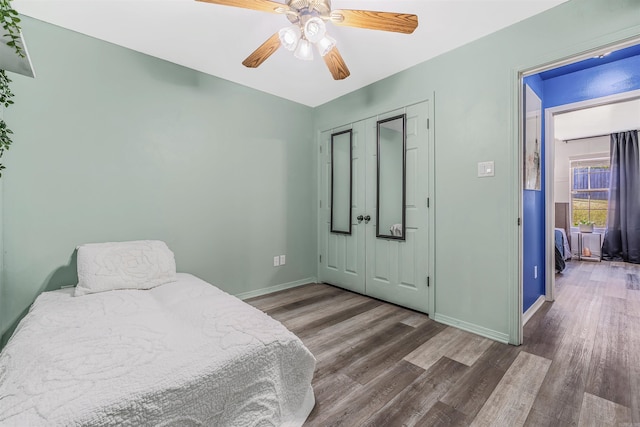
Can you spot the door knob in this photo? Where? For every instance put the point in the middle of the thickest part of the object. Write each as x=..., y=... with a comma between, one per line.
x=367, y=218
x=359, y=218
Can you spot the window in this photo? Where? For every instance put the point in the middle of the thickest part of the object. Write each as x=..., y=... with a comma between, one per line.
x=590, y=190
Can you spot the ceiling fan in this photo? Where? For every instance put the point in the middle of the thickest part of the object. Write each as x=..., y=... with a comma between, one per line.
x=308, y=19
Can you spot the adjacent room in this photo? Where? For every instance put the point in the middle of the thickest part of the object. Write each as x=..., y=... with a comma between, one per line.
x=579, y=107
x=226, y=212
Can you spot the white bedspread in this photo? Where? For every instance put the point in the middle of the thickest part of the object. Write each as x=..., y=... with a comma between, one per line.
x=182, y=354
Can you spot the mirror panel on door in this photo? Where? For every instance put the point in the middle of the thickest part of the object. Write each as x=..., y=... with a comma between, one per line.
x=341, y=182
x=390, y=206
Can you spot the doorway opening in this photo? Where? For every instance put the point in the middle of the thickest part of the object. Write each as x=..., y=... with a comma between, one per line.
x=583, y=100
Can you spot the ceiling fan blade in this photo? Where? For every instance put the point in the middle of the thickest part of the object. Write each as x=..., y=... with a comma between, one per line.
x=336, y=64
x=261, y=5
x=384, y=21
x=261, y=54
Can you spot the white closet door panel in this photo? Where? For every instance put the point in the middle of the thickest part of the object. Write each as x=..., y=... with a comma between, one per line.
x=408, y=265
x=398, y=269
x=342, y=255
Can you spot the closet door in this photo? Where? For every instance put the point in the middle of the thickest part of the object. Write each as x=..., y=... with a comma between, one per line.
x=397, y=269
x=342, y=261
x=390, y=269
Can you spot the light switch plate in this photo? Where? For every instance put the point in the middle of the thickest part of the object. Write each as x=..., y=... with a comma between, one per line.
x=486, y=169
x=282, y=259
x=276, y=261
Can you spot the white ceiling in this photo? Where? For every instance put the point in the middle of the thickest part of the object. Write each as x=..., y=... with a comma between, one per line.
x=215, y=39
x=600, y=120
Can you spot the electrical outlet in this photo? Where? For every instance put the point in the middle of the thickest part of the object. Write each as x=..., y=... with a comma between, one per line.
x=276, y=261
x=282, y=259
x=535, y=271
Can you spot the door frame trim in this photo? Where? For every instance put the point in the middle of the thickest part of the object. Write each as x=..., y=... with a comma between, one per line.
x=431, y=188
x=574, y=53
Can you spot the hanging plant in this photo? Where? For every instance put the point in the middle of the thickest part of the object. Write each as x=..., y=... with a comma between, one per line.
x=10, y=23
x=5, y=100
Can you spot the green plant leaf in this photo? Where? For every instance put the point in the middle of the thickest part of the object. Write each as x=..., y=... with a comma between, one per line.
x=9, y=18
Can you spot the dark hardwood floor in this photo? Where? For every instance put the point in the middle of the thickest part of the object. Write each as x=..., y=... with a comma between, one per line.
x=383, y=365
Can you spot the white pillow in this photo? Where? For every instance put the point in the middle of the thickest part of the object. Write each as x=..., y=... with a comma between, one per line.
x=141, y=264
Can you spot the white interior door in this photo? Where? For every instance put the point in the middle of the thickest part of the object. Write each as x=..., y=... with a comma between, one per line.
x=389, y=269
x=342, y=258
x=397, y=270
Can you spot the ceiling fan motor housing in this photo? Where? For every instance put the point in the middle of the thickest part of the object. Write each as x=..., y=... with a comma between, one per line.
x=320, y=8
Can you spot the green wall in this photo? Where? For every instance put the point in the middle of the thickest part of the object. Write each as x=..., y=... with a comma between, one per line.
x=114, y=145
x=475, y=111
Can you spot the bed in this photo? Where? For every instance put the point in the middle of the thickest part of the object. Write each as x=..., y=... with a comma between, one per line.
x=182, y=353
x=562, y=243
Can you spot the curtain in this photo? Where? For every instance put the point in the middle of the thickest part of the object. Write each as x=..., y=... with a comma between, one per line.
x=622, y=237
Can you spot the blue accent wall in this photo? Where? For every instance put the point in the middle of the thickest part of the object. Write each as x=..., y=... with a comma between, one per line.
x=604, y=80
x=533, y=222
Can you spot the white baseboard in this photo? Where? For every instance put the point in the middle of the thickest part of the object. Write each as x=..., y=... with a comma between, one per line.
x=276, y=288
x=473, y=328
x=532, y=310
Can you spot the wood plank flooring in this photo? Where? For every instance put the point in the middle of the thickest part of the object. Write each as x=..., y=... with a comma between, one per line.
x=383, y=365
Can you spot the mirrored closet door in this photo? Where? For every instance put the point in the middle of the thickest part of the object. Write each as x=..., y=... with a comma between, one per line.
x=385, y=254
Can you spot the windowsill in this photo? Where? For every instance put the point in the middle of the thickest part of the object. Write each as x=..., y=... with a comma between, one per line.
x=596, y=230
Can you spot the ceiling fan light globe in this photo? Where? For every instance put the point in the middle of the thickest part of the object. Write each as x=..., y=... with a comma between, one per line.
x=289, y=37
x=304, y=50
x=314, y=29
x=325, y=45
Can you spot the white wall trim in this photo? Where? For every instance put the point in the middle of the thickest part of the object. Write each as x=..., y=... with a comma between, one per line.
x=276, y=288
x=549, y=206
x=431, y=211
x=532, y=310
x=318, y=200
x=473, y=328
x=595, y=102
x=516, y=168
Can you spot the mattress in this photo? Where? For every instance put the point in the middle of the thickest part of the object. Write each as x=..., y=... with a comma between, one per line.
x=181, y=354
